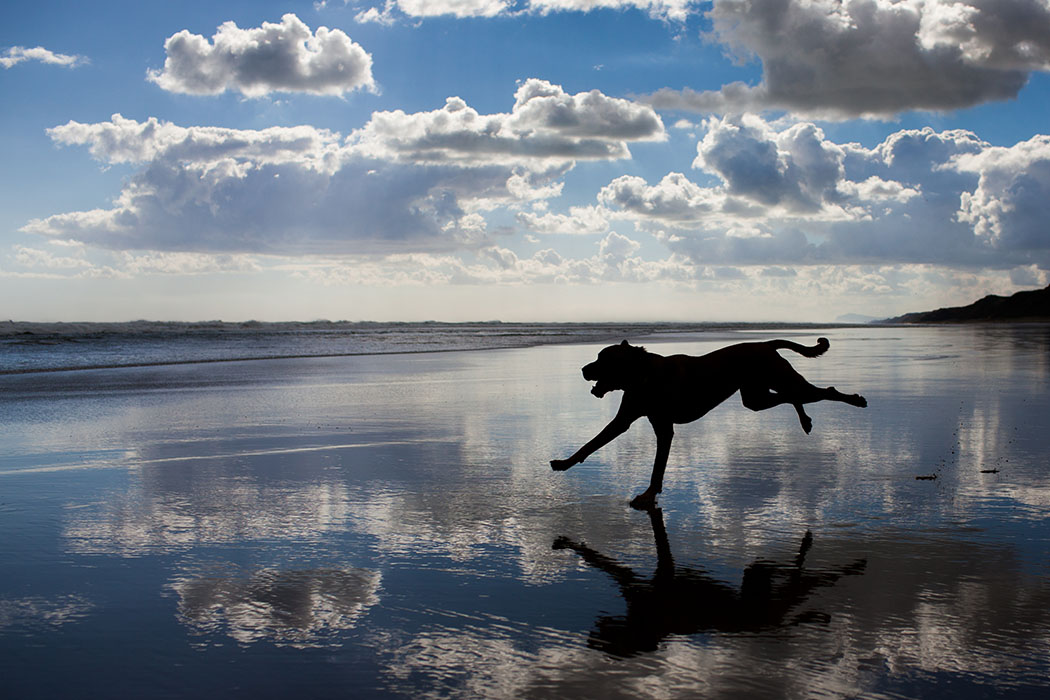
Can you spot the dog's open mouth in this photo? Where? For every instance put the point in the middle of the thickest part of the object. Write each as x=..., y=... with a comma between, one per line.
x=600, y=389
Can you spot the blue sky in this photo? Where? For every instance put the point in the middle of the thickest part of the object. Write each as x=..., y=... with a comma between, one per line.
x=787, y=160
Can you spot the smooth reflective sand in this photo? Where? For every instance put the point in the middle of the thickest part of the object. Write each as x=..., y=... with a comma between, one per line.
x=388, y=526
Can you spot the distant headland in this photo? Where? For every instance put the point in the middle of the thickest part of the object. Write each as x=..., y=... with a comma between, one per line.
x=1031, y=305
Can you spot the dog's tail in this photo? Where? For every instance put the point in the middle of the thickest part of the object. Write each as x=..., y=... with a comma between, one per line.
x=815, y=351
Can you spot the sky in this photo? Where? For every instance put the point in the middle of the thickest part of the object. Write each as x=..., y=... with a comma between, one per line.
x=521, y=160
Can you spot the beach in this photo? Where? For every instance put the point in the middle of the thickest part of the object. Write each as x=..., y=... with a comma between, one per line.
x=388, y=526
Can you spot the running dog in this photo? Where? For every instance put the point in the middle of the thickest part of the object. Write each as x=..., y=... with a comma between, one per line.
x=682, y=388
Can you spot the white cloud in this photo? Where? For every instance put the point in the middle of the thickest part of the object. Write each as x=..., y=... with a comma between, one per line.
x=1010, y=206
x=455, y=8
x=285, y=57
x=34, y=257
x=185, y=263
x=579, y=221
x=18, y=54
x=874, y=57
x=546, y=126
x=615, y=260
x=675, y=10
x=122, y=140
x=788, y=195
x=374, y=15
x=675, y=200
x=402, y=183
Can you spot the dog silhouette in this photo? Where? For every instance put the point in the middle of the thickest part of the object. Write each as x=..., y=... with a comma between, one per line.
x=682, y=388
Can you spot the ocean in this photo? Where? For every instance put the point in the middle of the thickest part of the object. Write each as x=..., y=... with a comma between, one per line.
x=35, y=347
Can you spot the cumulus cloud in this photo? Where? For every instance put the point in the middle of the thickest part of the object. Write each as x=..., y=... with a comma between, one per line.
x=675, y=200
x=791, y=196
x=873, y=58
x=123, y=140
x=284, y=57
x=796, y=168
x=579, y=221
x=19, y=54
x=545, y=126
x=402, y=183
x=1009, y=207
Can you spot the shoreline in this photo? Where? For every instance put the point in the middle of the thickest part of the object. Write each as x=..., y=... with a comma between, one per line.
x=657, y=331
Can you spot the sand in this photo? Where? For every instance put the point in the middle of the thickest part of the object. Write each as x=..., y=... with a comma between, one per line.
x=385, y=526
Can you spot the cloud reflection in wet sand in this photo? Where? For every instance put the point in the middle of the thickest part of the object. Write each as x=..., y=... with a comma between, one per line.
x=295, y=608
x=154, y=517
x=35, y=611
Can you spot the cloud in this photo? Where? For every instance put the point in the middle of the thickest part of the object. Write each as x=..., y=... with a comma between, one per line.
x=402, y=183
x=18, y=54
x=546, y=126
x=299, y=608
x=1009, y=208
x=763, y=174
x=455, y=8
x=873, y=58
x=797, y=169
x=34, y=257
x=285, y=57
x=579, y=221
x=365, y=206
x=677, y=10
x=123, y=140
x=790, y=196
x=615, y=260
x=671, y=10
x=675, y=200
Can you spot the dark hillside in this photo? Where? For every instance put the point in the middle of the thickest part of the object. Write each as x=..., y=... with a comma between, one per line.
x=1023, y=306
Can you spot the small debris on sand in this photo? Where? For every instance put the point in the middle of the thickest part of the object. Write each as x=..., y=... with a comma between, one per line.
x=930, y=477
x=989, y=471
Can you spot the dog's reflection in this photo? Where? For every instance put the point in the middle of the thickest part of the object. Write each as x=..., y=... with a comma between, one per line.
x=682, y=601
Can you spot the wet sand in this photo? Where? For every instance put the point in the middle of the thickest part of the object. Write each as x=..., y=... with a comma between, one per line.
x=387, y=526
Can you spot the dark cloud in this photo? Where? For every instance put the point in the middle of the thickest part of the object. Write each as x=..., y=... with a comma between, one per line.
x=873, y=57
x=364, y=207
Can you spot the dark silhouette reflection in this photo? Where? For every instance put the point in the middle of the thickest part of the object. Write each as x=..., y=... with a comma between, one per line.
x=682, y=601
x=683, y=388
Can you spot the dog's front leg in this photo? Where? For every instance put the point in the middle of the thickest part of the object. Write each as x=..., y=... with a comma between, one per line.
x=617, y=426
x=664, y=430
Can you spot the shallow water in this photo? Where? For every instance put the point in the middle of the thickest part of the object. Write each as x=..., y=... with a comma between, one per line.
x=388, y=526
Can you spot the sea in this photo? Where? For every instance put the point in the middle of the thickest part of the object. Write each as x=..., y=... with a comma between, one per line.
x=39, y=347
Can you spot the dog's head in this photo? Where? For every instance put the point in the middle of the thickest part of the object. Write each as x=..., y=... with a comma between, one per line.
x=615, y=367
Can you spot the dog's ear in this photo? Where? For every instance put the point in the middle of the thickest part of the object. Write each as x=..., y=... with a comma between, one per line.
x=625, y=344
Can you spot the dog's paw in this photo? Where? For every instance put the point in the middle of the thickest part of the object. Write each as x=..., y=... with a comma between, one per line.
x=807, y=424
x=560, y=465
x=644, y=501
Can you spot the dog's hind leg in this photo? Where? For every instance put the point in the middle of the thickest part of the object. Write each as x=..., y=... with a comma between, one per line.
x=664, y=430
x=761, y=398
x=803, y=418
